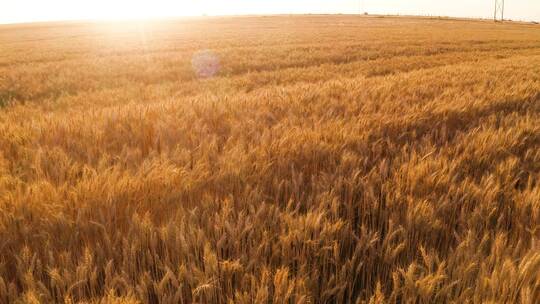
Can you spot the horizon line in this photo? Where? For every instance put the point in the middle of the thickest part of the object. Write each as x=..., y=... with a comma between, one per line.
x=202, y=16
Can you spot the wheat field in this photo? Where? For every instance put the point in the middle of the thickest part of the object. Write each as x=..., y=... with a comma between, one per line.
x=283, y=159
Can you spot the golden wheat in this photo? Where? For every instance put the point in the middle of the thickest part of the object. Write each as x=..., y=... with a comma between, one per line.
x=330, y=159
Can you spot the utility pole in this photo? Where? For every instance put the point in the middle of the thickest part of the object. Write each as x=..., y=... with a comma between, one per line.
x=498, y=15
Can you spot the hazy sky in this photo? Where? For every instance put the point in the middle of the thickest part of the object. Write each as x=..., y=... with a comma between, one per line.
x=37, y=10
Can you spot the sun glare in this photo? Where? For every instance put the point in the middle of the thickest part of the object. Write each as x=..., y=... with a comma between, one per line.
x=122, y=10
x=17, y=11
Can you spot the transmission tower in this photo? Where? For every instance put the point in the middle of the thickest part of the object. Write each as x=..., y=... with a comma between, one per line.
x=362, y=7
x=498, y=15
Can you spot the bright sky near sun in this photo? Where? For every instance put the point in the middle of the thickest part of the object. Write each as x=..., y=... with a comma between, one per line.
x=40, y=10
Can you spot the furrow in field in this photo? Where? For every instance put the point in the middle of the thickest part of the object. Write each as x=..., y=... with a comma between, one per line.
x=107, y=80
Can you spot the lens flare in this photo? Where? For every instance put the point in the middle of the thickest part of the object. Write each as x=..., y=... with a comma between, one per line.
x=205, y=64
